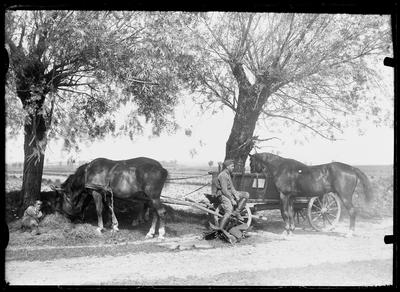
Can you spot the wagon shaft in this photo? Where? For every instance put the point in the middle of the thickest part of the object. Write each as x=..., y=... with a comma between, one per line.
x=170, y=200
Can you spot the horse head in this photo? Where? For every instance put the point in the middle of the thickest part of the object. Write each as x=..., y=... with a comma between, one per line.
x=68, y=197
x=260, y=162
x=256, y=164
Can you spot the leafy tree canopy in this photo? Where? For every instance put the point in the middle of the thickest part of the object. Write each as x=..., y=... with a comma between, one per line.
x=86, y=65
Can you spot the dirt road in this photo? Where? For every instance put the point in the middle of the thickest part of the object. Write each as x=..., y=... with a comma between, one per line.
x=267, y=258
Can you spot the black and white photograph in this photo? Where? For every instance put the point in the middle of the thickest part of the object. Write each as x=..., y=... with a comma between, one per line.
x=198, y=148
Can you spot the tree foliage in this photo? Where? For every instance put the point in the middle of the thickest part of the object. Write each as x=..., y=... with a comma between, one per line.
x=92, y=63
x=304, y=69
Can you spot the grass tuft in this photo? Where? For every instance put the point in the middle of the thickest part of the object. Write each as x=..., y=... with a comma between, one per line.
x=81, y=233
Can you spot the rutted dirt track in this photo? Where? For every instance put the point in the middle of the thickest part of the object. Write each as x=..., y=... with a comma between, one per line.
x=266, y=258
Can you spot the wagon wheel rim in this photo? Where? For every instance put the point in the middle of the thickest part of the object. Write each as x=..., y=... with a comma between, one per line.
x=324, y=213
x=246, y=214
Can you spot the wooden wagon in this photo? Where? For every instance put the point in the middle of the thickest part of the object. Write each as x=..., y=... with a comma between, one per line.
x=322, y=213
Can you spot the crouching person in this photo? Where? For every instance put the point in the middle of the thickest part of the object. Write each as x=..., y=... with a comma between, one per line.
x=31, y=218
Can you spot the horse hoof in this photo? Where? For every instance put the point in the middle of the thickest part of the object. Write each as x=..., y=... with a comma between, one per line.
x=98, y=230
x=349, y=234
x=161, y=238
x=148, y=236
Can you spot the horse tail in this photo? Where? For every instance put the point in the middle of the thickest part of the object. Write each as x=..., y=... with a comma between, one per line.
x=366, y=184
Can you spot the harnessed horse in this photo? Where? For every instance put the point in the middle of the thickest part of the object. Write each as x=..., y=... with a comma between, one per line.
x=137, y=179
x=293, y=178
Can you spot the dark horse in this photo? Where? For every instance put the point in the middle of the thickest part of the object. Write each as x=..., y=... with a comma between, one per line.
x=137, y=179
x=295, y=179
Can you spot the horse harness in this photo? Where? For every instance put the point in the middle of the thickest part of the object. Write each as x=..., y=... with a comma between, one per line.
x=106, y=187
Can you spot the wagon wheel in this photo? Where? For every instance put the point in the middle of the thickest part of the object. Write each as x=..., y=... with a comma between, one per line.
x=246, y=214
x=324, y=213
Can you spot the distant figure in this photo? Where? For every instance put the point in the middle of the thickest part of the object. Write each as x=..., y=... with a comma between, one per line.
x=32, y=215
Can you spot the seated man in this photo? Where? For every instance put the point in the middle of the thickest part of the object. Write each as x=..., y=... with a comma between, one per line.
x=228, y=196
x=31, y=218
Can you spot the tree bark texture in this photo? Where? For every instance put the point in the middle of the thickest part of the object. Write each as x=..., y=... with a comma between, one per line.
x=31, y=92
x=34, y=147
x=251, y=100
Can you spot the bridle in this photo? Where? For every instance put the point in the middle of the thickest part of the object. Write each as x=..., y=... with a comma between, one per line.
x=265, y=168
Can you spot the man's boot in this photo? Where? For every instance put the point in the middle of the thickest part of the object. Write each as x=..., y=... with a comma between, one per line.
x=239, y=208
x=229, y=237
x=224, y=221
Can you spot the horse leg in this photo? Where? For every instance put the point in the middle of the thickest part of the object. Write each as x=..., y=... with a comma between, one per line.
x=146, y=212
x=98, y=200
x=160, y=215
x=285, y=212
x=352, y=212
x=139, y=218
x=113, y=217
x=291, y=214
x=85, y=206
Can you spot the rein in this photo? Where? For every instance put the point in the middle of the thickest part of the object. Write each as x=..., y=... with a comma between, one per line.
x=187, y=177
x=207, y=184
x=182, y=178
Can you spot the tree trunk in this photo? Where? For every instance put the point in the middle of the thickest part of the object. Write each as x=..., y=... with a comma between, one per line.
x=239, y=143
x=35, y=141
x=30, y=90
x=251, y=100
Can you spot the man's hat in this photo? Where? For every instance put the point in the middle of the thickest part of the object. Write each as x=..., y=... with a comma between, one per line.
x=228, y=162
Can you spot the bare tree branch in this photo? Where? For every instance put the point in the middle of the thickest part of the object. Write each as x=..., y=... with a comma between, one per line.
x=300, y=123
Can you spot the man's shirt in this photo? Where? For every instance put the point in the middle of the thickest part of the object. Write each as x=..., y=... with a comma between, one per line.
x=31, y=211
x=224, y=184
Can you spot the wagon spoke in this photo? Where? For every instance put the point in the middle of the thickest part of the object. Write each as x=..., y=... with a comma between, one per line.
x=329, y=214
x=326, y=217
x=323, y=202
x=333, y=210
x=318, y=206
x=319, y=215
x=316, y=212
x=331, y=203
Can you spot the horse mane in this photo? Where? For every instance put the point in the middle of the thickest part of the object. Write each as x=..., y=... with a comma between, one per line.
x=263, y=157
x=268, y=159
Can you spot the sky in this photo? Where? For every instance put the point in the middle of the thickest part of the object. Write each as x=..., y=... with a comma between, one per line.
x=209, y=136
